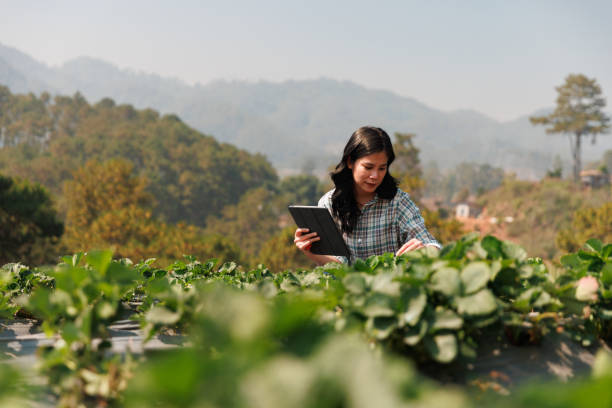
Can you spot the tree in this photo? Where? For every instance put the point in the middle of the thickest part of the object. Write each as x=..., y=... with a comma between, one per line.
x=557, y=170
x=407, y=168
x=192, y=176
x=301, y=189
x=279, y=253
x=407, y=165
x=29, y=225
x=587, y=223
x=250, y=223
x=108, y=207
x=578, y=114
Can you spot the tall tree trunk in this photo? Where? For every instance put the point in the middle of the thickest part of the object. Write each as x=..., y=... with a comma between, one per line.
x=576, y=154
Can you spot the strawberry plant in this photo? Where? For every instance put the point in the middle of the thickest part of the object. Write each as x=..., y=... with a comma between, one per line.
x=85, y=299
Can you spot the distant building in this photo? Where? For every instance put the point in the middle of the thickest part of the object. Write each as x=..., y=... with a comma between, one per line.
x=467, y=210
x=594, y=178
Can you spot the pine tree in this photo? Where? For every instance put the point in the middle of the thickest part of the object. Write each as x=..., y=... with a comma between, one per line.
x=578, y=114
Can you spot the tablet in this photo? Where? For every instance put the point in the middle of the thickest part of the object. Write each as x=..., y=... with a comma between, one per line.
x=319, y=220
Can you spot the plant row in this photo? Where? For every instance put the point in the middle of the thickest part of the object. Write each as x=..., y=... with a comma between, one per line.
x=304, y=328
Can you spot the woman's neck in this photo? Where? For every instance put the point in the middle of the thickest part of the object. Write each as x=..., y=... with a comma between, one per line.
x=362, y=199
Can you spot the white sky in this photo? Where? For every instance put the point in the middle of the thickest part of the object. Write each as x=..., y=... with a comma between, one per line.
x=502, y=58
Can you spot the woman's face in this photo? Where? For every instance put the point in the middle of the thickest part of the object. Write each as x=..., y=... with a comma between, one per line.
x=368, y=173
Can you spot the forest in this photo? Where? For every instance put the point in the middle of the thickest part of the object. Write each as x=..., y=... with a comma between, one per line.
x=111, y=176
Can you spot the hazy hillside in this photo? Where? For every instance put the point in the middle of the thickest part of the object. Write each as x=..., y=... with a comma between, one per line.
x=297, y=122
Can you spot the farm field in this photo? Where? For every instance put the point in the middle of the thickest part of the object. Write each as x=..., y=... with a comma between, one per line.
x=475, y=324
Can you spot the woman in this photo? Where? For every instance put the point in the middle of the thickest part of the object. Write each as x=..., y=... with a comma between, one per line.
x=373, y=214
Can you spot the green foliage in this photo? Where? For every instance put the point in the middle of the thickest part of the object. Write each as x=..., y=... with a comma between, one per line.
x=301, y=329
x=407, y=169
x=279, y=252
x=274, y=354
x=85, y=299
x=17, y=280
x=302, y=189
x=107, y=206
x=251, y=222
x=29, y=224
x=44, y=140
x=12, y=387
x=579, y=112
x=443, y=228
x=407, y=165
x=540, y=211
x=587, y=223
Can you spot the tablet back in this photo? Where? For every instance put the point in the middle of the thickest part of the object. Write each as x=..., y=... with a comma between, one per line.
x=318, y=219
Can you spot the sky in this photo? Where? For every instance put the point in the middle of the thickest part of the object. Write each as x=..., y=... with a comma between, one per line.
x=501, y=58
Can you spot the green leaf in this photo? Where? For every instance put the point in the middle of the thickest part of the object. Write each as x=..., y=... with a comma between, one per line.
x=594, y=245
x=384, y=283
x=571, y=261
x=479, y=304
x=355, y=283
x=100, y=260
x=415, y=301
x=513, y=251
x=525, y=301
x=605, y=314
x=361, y=266
x=105, y=310
x=602, y=366
x=484, y=321
x=443, y=347
x=373, y=262
x=493, y=246
x=587, y=256
x=496, y=266
x=379, y=304
x=70, y=332
x=414, y=335
x=381, y=327
x=446, y=319
x=118, y=273
x=606, y=273
x=446, y=280
x=606, y=252
x=474, y=277
x=161, y=315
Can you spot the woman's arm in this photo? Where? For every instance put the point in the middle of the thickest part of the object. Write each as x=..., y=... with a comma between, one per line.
x=304, y=241
x=412, y=226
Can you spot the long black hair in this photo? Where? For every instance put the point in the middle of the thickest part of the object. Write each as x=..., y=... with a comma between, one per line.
x=364, y=141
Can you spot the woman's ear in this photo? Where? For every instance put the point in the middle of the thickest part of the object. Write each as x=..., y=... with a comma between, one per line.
x=349, y=163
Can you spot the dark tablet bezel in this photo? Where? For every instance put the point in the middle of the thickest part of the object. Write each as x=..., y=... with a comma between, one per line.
x=318, y=219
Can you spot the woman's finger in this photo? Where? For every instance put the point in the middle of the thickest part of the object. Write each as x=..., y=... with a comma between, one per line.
x=411, y=245
x=300, y=231
x=305, y=237
x=305, y=244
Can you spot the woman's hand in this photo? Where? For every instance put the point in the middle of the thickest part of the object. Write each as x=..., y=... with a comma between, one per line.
x=304, y=241
x=411, y=245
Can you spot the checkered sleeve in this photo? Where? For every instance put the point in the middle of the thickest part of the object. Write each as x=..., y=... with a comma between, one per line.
x=412, y=224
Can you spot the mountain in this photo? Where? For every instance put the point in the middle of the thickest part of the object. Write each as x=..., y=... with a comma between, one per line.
x=299, y=124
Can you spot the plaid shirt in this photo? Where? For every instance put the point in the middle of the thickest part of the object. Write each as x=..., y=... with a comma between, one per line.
x=383, y=226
